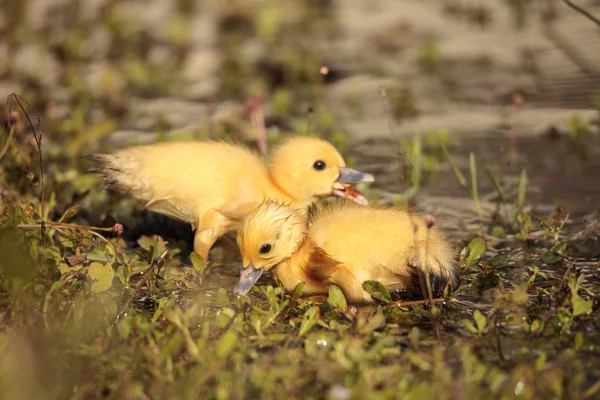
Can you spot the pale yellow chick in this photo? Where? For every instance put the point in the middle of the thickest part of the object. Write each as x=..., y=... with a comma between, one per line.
x=345, y=245
x=213, y=185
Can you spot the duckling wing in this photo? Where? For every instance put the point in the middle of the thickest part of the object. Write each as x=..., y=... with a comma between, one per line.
x=381, y=244
x=185, y=180
x=169, y=208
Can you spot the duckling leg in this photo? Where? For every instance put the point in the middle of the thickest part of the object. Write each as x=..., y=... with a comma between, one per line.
x=350, y=285
x=215, y=226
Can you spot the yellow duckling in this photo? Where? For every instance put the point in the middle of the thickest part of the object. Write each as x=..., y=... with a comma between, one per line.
x=212, y=185
x=345, y=245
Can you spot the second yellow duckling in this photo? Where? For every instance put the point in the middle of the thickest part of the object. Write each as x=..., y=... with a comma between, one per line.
x=212, y=185
x=344, y=245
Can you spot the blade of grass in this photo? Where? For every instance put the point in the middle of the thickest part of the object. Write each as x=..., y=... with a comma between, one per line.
x=522, y=189
x=474, y=191
x=455, y=170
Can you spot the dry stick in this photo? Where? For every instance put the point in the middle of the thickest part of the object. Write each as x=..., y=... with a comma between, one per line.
x=570, y=51
x=583, y=12
x=117, y=228
x=399, y=304
x=155, y=263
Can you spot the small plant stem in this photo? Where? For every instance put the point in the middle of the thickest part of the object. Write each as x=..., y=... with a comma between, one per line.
x=65, y=225
x=11, y=132
x=399, y=304
x=309, y=117
x=155, y=263
x=474, y=192
x=522, y=190
x=517, y=100
x=428, y=282
x=38, y=140
x=461, y=178
x=386, y=109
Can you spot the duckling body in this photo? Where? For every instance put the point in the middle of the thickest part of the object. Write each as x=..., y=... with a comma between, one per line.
x=213, y=185
x=345, y=245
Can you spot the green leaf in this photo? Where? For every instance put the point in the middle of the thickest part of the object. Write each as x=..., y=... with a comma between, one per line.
x=375, y=322
x=498, y=231
x=550, y=257
x=70, y=213
x=540, y=362
x=227, y=344
x=102, y=276
x=122, y=274
x=470, y=327
x=337, y=299
x=480, y=320
x=581, y=306
x=64, y=268
x=377, y=291
x=311, y=317
x=297, y=291
x=198, y=263
x=476, y=249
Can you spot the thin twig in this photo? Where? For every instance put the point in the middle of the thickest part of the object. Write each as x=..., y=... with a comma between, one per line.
x=38, y=140
x=114, y=229
x=398, y=304
x=583, y=12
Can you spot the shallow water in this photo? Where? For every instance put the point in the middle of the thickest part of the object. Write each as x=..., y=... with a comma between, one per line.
x=557, y=173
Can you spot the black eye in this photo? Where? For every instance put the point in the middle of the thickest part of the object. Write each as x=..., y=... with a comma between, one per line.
x=319, y=165
x=265, y=249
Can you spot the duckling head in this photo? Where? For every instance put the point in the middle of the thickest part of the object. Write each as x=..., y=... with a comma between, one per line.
x=270, y=234
x=306, y=167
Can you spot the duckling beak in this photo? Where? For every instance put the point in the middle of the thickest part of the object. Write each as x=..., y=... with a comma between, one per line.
x=248, y=278
x=349, y=175
x=345, y=191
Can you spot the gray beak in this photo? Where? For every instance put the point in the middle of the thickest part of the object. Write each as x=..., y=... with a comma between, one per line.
x=349, y=175
x=248, y=278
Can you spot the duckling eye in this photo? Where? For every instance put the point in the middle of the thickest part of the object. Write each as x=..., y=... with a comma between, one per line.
x=265, y=248
x=319, y=165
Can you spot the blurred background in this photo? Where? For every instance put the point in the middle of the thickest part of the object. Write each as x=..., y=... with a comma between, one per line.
x=473, y=74
x=412, y=91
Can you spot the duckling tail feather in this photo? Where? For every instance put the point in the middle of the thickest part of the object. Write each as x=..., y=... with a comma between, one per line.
x=442, y=284
x=116, y=172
